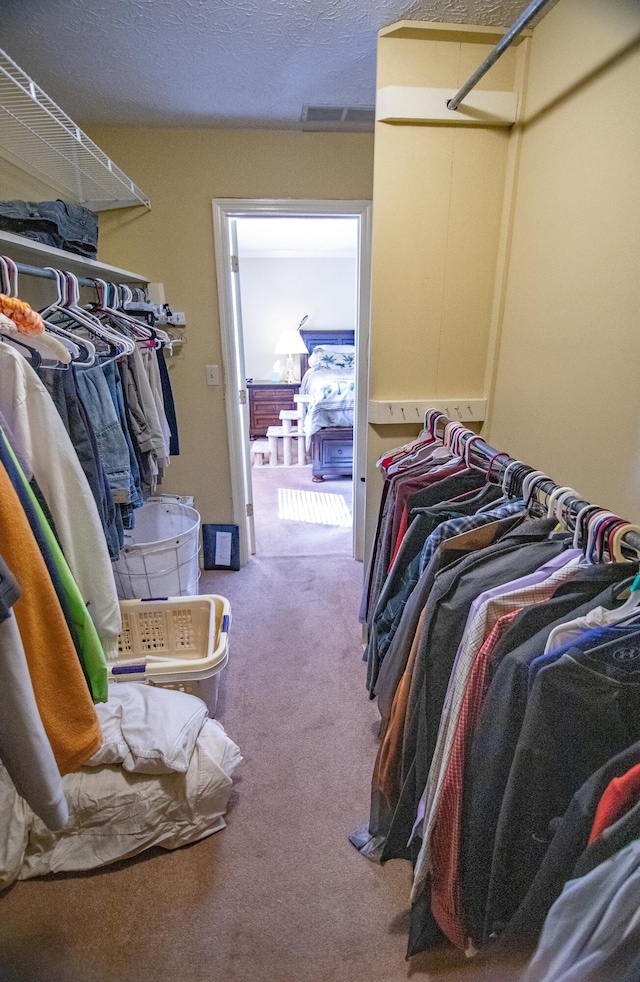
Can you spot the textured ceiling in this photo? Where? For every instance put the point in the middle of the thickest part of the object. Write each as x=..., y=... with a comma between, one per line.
x=214, y=62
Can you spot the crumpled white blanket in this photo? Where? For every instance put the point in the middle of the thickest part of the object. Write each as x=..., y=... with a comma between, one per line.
x=115, y=810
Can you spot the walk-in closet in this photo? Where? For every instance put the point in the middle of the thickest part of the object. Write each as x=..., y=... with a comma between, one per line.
x=414, y=754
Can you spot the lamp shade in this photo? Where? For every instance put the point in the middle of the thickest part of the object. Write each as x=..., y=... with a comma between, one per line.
x=290, y=343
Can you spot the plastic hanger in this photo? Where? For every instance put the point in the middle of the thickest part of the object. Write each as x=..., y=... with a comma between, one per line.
x=30, y=354
x=580, y=533
x=52, y=353
x=81, y=321
x=556, y=502
x=111, y=308
x=530, y=479
x=471, y=442
x=451, y=431
x=114, y=337
x=616, y=542
x=506, y=475
x=595, y=518
x=426, y=438
x=605, y=528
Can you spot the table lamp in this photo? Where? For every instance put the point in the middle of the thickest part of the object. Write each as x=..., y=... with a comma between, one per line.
x=290, y=343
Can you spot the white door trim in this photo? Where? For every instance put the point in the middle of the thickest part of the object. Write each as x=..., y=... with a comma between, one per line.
x=228, y=208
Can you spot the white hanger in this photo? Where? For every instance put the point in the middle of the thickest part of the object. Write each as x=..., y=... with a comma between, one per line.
x=67, y=305
x=529, y=481
x=557, y=499
x=53, y=354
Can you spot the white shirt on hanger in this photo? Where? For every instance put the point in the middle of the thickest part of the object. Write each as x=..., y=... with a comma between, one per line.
x=33, y=417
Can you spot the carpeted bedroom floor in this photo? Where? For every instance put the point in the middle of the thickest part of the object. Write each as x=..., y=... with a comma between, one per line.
x=280, y=895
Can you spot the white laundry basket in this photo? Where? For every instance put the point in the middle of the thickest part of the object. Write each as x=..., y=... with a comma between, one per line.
x=178, y=643
x=160, y=555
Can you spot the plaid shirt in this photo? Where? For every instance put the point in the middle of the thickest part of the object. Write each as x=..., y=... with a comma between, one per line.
x=446, y=899
x=476, y=632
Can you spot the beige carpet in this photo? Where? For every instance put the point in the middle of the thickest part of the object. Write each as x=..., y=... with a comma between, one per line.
x=294, y=517
x=280, y=895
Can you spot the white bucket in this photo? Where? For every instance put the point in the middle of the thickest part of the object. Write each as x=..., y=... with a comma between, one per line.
x=160, y=555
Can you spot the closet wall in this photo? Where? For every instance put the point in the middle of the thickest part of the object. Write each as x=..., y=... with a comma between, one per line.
x=438, y=193
x=278, y=292
x=182, y=170
x=506, y=261
x=567, y=393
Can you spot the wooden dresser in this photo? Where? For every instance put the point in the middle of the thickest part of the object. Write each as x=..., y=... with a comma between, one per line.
x=266, y=399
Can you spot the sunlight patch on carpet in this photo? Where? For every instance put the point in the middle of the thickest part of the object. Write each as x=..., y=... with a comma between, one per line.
x=314, y=507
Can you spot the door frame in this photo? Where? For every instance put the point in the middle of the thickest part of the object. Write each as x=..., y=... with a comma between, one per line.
x=225, y=209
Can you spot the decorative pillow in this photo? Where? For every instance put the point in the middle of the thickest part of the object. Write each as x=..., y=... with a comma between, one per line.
x=333, y=356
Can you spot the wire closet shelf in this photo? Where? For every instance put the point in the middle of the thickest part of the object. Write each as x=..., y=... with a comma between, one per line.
x=37, y=136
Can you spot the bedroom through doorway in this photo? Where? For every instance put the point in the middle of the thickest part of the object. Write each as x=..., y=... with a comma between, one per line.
x=295, y=319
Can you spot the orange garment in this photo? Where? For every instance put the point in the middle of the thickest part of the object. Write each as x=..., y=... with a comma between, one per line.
x=390, y=752
x=27, y=320
x=63, y=698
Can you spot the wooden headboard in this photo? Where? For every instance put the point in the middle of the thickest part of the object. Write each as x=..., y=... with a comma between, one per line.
x=312, y=338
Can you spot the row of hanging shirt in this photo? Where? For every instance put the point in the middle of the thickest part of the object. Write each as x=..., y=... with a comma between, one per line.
x=83, y=436
x=107, y=375
x=503, y=648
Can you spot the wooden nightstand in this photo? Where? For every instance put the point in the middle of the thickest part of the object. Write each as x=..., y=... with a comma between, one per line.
x=266, y=399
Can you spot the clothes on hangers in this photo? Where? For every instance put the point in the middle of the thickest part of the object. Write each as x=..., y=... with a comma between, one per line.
x=62, y=695
x=492, y=744
x=144, y=421
x=486, y=610
x=621, y=794
x=63, y=389
x=583, y=939
x=24, y=747
x=169, y=404
x=81, y=628
x=492, y=656
x=428, y=529
x=569, y=839
x=44, y=443
x=69, y=483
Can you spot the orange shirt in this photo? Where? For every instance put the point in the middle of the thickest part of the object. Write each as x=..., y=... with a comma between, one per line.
x=63, y=698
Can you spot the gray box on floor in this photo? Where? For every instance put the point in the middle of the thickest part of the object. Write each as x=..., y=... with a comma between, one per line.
x=221, y=546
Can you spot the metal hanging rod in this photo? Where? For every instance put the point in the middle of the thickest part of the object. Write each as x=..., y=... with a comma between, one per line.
x=523, y=20
x=47, y=274
x=499, y=461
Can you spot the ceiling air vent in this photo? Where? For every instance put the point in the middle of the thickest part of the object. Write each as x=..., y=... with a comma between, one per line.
x=338, y=118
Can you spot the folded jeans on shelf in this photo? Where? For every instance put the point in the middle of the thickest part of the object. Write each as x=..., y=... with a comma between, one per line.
x=62, y=224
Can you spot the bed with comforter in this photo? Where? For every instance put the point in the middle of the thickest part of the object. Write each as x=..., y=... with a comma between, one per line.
x=329, y=386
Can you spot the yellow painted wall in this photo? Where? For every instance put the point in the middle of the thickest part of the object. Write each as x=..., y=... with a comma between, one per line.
x=567, y=391
x=438, y=194
x=182, y=170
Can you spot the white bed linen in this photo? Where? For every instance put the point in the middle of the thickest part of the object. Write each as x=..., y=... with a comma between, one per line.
x=332, y=393
x=115, y=813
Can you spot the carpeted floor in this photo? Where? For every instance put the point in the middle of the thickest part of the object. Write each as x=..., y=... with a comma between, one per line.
x=280, y=895
x=293, y=516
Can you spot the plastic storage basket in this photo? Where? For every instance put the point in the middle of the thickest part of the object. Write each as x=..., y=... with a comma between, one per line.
x=179, y=643
x=160, y=555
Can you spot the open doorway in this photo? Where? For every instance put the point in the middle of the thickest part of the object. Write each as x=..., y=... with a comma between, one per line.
x=294, y=285
x=299, y=298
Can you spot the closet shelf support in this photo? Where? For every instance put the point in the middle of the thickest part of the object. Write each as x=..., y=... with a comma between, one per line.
x=523, y=20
